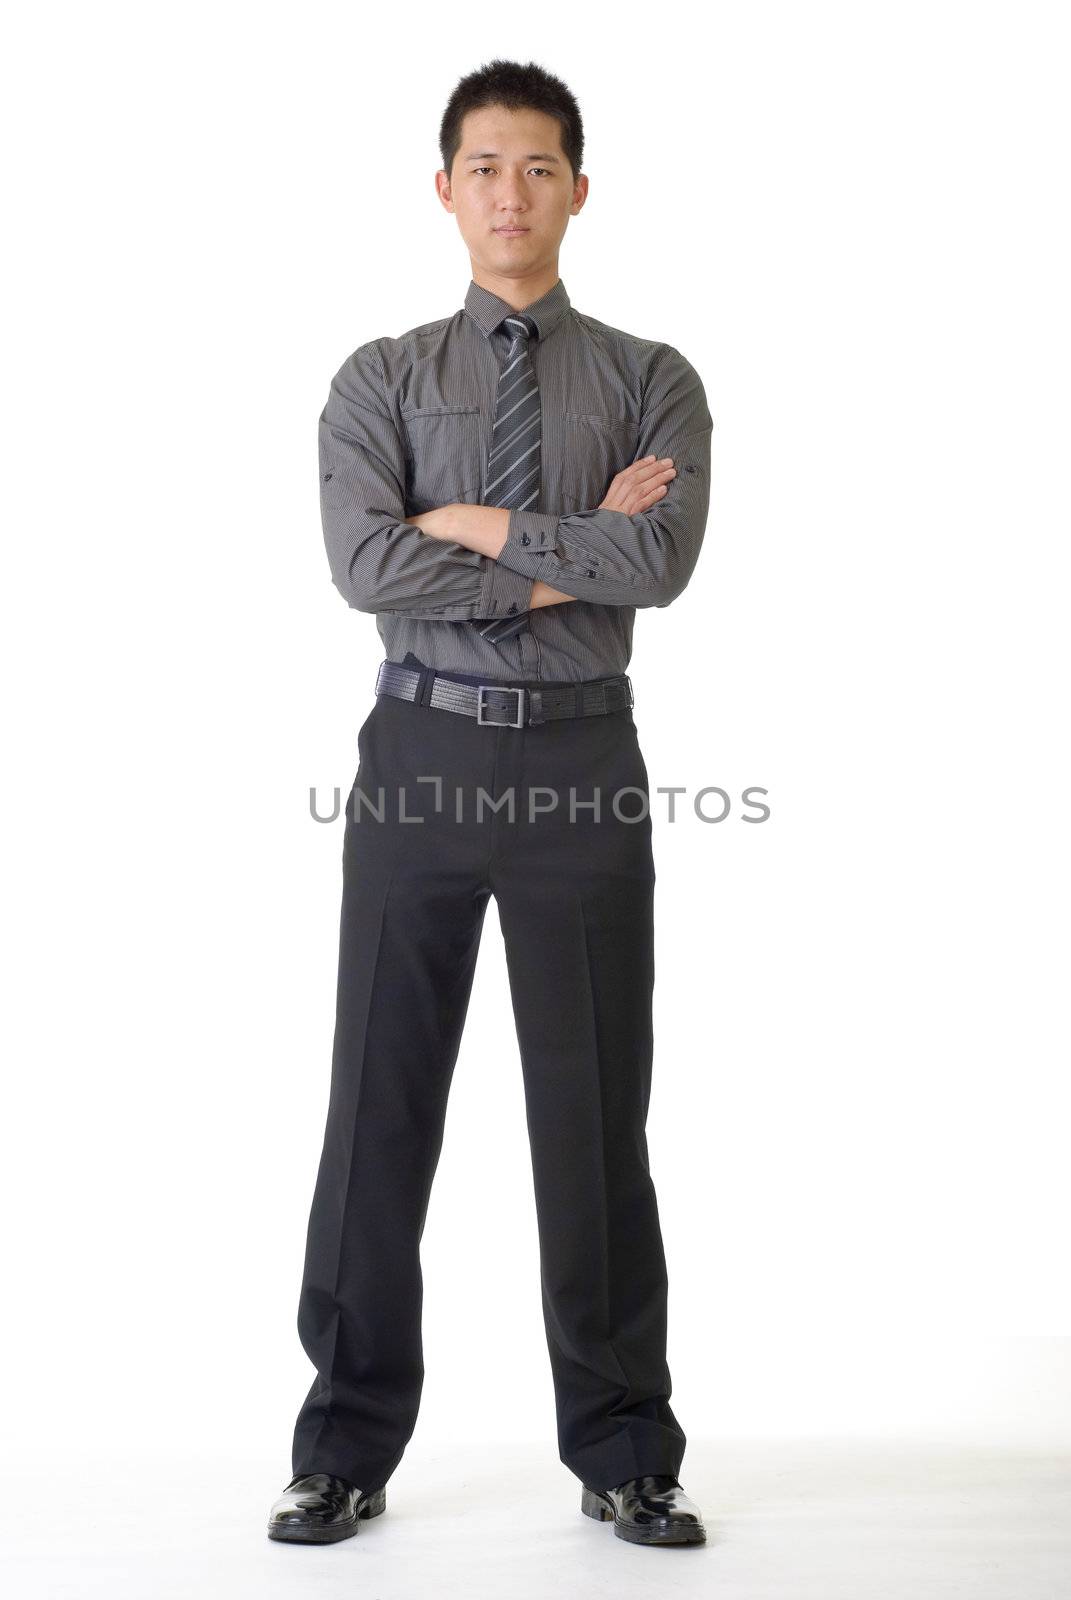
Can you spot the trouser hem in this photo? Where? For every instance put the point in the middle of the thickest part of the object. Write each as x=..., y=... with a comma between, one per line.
x=366, y=1478
x=606, y=1467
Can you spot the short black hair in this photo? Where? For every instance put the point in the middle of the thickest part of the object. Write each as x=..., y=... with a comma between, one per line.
x=518, y=87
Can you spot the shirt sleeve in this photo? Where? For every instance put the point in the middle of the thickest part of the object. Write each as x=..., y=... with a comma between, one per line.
x=646, y=560
x=379, y=562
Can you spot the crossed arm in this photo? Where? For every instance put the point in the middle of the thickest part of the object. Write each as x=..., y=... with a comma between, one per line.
x=459, y=562
x=485, y=530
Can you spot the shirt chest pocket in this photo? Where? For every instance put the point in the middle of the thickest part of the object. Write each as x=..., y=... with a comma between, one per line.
x=594, y=449
x=442, y=449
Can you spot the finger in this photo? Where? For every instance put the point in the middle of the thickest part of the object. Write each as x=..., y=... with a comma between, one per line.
x=645, y=472
x=641, y=502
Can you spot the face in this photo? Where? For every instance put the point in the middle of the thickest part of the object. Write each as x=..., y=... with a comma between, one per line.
x=512, y=190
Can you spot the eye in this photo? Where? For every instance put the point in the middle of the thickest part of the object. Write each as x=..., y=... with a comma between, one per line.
x=544, y=170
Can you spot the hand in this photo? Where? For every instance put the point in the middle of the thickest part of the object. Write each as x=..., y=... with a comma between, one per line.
x=636, y=488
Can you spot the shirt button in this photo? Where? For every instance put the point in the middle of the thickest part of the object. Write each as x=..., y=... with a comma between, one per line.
x=591, y=572
x=512, y=607
x=328, y=476
x=525, y=539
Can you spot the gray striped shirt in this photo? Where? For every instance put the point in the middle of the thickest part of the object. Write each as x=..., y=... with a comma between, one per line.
x=407, y=427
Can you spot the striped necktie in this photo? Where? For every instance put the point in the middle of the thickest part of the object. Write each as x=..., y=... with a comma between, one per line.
x=513, y=466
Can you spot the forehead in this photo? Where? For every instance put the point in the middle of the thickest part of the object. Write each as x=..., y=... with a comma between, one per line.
x=511, y=135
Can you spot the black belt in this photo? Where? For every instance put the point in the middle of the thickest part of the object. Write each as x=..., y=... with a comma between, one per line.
x=498, y=706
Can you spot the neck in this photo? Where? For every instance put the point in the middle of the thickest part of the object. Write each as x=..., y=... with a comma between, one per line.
x=521, y=290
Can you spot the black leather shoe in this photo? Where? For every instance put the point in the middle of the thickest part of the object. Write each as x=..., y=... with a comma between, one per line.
x=318, y=1508
x=653, y=1509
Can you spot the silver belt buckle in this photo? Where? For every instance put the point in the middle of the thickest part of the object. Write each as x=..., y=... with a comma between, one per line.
x=482, y=689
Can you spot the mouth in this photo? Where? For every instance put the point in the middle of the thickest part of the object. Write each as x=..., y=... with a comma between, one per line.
x=510, y=233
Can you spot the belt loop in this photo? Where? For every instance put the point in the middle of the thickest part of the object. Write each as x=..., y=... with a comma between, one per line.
x=535, y=705
x=424, y=687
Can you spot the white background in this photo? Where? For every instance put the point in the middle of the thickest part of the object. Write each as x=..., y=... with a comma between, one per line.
x=853, y=221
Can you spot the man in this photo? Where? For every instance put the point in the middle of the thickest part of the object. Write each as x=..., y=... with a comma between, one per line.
x=502, y=488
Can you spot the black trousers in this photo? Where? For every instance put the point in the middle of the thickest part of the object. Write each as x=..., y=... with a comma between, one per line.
x=575, y=903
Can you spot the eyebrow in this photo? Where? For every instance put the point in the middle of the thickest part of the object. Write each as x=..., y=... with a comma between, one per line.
x=540, y=155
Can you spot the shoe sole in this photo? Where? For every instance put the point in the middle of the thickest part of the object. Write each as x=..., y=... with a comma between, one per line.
x=593, y=1504
x=372, y=1505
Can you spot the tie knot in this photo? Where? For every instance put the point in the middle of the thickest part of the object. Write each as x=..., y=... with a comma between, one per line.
x=518, y=326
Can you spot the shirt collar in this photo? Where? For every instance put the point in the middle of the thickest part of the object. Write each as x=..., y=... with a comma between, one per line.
x=487, y=309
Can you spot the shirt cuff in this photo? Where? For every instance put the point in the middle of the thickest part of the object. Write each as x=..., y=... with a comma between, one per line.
x=531, y=536
x=505, y=592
